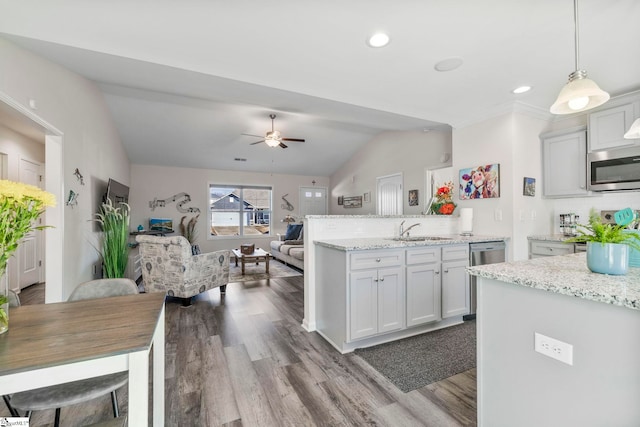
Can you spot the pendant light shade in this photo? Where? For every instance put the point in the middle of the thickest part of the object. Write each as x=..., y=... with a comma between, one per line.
x=634, y=130
x=580, y=93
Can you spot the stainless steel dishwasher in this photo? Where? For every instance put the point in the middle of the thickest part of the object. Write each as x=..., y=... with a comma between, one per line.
x=481, y=254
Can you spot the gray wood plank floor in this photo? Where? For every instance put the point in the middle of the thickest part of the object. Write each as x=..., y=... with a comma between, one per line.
x=242, y=359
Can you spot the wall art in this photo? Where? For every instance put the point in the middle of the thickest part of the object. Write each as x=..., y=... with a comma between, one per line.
x=352, y=202
x=480, y=182
x=529, y=187
x=413, y=197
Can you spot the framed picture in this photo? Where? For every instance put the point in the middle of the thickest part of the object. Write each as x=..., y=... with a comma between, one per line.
x=340, y=200
x=367, y=197
x=353, y=202
x=161, y=224
x=529, y=187
x=413, y=197
x=480, y=182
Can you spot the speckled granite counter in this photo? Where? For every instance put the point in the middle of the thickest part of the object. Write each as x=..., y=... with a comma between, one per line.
x=550, y=237
x=389, y=243
x=567, y=275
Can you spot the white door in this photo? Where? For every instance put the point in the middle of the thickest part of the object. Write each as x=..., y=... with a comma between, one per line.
x=29, y=249
x=389, y=192
x=313, y=201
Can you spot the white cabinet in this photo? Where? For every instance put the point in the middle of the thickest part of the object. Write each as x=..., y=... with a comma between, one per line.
x=376, y=295
x=423, y=286
x=564, y=158
x=607, y=127
x=542, y=248
x=455, y=281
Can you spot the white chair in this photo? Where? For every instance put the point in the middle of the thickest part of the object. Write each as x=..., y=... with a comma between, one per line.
x=61, y=395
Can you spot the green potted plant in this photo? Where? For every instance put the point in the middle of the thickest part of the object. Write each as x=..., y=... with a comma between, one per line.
x=608, y=245
x=115, y=235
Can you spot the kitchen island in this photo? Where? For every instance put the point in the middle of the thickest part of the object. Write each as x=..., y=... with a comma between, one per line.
x=375, y=290
x=558, y=297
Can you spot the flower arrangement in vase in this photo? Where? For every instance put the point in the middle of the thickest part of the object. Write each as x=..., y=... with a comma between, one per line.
x=20, y=205
x=443, y=200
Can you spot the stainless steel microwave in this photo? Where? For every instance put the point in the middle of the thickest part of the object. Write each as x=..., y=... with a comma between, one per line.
x=614, y=170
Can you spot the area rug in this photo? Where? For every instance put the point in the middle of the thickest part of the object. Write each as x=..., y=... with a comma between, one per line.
x=256, y=272
x=414, y=362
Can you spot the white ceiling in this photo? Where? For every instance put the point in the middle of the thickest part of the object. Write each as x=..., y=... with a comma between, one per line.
x=185, y=79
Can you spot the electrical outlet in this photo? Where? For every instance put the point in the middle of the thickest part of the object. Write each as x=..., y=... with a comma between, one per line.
x=553, y=348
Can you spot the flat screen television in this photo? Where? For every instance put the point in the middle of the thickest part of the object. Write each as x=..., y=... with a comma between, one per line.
x=117, y=192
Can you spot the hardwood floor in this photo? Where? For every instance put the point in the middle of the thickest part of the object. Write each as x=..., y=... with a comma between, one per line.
x=242, y=359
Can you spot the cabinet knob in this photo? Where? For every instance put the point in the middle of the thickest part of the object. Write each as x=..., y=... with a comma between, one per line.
x=446, y=271
x=382, y=280
x=377, y=259
x=375, y=280
x=437, y=272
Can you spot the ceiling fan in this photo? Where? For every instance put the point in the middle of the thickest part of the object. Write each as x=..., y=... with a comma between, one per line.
x=273, y=138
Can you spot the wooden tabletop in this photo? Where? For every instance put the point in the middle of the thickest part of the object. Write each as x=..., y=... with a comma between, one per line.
x=45, y=335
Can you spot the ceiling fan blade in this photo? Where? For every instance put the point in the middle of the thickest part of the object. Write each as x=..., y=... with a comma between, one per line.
x=293, y=139
x=282, y=145
x=248, y=134
x=257, y=142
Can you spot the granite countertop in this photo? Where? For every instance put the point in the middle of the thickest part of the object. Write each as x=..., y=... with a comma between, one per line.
x=567, y=275
x=551, y=237
x=355, y=244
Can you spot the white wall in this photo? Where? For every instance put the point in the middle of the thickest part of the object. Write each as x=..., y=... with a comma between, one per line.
x=90, y=142
x=511, y=140
x=389, y=153
x=149, y=182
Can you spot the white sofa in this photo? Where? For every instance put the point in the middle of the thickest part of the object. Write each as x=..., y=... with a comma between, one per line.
x=290, y=251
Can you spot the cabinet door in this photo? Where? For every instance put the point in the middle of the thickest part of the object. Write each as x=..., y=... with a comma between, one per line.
x=455, y=289
x=363, y=304
x=565, y=165
x=607, y=127
x=423, y=294
x=391, y=300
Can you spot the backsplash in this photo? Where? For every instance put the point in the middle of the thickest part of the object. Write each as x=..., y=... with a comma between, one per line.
x=602, y=201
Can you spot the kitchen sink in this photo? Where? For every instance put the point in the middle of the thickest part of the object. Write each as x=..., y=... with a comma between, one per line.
x=419, y=238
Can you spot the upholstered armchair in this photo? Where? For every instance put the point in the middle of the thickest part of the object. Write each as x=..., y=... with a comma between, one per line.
x=169, y=266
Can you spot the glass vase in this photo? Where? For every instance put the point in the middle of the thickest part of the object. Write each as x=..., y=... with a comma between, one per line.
x=4, y=302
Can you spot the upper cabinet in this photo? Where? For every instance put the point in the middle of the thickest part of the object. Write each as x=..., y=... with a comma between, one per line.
x=564, y=162
x=607, y=127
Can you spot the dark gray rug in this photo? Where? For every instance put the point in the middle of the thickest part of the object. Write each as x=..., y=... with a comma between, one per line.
x=414, y=362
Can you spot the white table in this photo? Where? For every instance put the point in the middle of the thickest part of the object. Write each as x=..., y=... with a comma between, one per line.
x=51, y=344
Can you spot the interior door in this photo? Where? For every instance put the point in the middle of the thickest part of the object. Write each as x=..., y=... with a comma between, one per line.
x=313, y=201
x=389, y=189
x=30, y=248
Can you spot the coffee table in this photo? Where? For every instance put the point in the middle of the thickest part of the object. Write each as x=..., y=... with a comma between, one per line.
x=257, y=256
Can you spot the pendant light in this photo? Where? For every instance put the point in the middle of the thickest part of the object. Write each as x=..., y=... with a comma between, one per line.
x=634, y=130
x=580, y=93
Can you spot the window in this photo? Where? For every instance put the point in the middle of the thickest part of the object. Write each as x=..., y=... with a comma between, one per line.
x=238, y=210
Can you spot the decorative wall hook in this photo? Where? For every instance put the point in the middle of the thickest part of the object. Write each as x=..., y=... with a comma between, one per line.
x=79, y=176
x=288, y=206
x=72, y=200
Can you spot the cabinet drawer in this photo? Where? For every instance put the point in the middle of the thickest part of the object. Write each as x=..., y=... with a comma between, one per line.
x=422, y=255
x=550, y=249
x=450, y=253
x=375, y=259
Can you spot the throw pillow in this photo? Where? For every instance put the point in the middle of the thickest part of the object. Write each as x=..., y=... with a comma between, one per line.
x=293, y=231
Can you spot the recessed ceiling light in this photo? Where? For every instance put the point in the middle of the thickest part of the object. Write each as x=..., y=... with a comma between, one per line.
x=378, y=40
x=448, y=64
x=522, y=89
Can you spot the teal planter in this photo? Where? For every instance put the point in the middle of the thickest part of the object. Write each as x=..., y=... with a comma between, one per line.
x=608, y=258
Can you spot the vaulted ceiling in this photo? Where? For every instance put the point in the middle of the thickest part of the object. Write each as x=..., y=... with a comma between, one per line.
x=185, y=79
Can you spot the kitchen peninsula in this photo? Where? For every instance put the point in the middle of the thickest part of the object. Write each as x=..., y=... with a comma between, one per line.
x=558, y=297
x=375, y=290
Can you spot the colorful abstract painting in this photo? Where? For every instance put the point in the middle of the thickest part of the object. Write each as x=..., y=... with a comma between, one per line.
x=480, y=182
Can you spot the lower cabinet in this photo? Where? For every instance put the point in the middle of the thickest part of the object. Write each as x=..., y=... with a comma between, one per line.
x=423, y=286
x=542, y=248
x=376, y=302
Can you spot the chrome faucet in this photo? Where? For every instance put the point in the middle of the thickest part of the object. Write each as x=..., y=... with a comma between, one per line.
x=403, y=231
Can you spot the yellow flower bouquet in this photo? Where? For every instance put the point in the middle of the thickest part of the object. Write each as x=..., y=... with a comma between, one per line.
x=20, y=205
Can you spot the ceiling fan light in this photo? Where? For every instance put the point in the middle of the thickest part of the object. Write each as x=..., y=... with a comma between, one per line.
x=271, y=142
x=579, y=94
x=634, y=130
